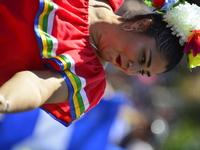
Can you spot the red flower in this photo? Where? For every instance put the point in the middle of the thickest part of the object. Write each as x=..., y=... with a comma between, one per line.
x=193, y=43
x=158, y=3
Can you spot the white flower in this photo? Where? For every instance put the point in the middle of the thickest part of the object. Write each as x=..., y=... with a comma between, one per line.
x=183, y=19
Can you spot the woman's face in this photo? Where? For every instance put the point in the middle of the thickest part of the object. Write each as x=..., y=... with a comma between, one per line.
x=133, y=54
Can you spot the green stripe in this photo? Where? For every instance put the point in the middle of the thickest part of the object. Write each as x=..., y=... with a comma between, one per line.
x=50, y=45
x=46, y=16
x=49, y=54
x=66, y=60
x=78, y=95
x=45, y=27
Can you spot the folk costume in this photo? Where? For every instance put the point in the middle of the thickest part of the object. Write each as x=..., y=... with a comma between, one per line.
x=45, y=34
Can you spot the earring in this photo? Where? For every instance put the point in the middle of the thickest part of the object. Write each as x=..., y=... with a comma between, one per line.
x=125, y=27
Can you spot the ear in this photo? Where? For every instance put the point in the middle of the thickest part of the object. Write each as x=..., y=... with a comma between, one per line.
x=141, y=25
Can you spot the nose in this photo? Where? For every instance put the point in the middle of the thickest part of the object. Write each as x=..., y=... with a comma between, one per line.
x=134, y=66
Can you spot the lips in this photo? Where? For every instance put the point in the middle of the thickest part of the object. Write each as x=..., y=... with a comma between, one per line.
x=118, y=61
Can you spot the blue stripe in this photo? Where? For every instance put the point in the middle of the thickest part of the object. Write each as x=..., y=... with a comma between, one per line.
x=70, y=95
x=65, y=124
x=58, y=62
x=36, y=23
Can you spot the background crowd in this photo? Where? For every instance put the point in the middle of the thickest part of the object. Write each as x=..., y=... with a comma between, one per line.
x=136, y=113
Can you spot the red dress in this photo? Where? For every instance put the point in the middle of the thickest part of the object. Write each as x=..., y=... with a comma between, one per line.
x=36, y=35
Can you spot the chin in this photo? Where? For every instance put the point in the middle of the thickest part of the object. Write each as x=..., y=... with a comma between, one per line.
x=127, y=72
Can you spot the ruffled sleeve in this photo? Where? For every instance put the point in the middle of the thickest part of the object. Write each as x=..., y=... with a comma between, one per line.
x=62, y=32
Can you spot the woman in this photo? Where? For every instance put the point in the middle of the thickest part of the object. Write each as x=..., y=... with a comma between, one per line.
x=57, y=52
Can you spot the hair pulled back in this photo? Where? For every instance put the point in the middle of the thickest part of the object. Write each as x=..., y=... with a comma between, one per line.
x=168, y=44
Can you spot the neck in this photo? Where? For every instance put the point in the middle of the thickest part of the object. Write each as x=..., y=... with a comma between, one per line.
x=101, y=19
x=100, y=3
x=102, y=6
x=100, y=15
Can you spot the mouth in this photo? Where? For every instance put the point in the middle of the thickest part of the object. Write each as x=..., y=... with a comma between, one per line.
x=118, y=60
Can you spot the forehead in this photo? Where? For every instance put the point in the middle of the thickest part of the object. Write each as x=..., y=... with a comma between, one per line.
x=158, y=63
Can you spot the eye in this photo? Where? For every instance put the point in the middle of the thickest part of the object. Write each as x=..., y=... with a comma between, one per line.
x=141, y=72
x=143, y=59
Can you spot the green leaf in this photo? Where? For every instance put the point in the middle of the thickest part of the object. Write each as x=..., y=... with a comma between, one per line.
x=179, y=2
x=160, y=12
x=148, y=3
x=182, y=1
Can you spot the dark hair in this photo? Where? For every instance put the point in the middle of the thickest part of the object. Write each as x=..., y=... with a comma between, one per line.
x=168, y=44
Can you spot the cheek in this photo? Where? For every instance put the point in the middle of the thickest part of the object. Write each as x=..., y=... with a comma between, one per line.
x=158, y=66
x=134, y=47
x=132, y=53
x=128, y=72
x=105, y=55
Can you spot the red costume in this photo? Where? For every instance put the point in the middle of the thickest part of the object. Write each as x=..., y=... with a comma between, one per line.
x=36, y=35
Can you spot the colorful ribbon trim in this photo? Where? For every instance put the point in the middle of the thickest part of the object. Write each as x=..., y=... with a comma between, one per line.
x=48, y=47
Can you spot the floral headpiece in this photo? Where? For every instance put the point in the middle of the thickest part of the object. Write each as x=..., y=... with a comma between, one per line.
x=184, y=20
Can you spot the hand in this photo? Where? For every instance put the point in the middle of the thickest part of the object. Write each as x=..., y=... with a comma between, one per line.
x=4, y=105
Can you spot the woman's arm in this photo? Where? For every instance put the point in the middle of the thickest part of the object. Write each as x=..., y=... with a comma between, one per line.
x=28, y=90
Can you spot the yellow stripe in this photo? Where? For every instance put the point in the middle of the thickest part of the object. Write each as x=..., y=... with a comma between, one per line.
x=45, y=54
x=75, y=100
x=43, y=37
x=63, y=62
x=45, y=44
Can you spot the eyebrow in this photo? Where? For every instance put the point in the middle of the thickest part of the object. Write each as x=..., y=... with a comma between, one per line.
x=150, y=59
x=149, y=64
